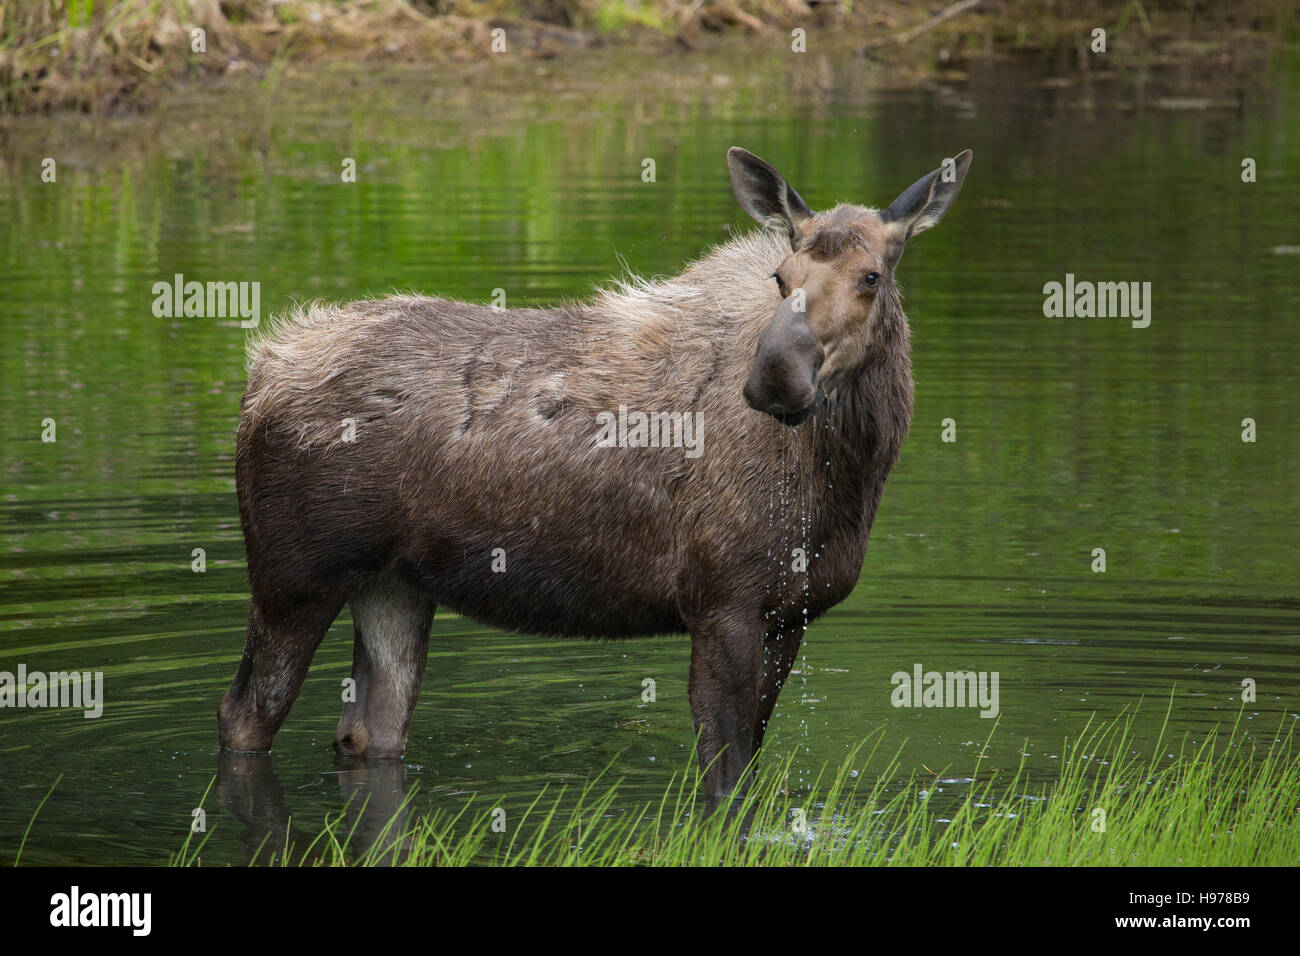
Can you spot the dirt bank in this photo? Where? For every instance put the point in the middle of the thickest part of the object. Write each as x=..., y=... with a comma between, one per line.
x=123, y=55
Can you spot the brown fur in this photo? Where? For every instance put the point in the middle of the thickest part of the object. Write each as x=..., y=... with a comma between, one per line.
x=475, y=430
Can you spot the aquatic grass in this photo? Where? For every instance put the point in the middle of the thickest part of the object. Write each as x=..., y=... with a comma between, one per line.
x=1219, y=802
x=19, y=855
x=188, y=850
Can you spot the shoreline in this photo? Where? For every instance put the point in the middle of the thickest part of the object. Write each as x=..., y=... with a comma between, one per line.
x=123, y=61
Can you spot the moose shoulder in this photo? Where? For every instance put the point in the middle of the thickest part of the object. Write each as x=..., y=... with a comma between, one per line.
x=646, y=462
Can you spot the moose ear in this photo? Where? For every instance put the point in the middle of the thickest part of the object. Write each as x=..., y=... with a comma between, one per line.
x=764, y=193
x=925, y=202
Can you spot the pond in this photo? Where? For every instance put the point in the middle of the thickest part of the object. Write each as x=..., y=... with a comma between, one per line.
x=1071, y=433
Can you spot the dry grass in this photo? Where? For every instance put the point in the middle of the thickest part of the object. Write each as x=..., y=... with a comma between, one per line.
x=106, y=55
x=110, y=54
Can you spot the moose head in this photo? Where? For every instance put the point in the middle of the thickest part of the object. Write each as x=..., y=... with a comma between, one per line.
x=833, y=292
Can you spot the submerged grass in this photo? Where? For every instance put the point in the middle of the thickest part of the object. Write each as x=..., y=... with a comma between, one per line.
x=1221, y=802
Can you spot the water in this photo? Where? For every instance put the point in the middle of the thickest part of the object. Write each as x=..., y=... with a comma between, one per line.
x=1072, y=434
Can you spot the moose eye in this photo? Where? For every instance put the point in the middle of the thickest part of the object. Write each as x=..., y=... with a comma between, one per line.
x=780, y=285
x=871, y=280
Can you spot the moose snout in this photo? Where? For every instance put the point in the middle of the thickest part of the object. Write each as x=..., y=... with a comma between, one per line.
x=783, y=380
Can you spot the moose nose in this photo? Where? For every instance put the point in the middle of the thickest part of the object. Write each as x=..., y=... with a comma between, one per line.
x=776, y=402
x=783, y=380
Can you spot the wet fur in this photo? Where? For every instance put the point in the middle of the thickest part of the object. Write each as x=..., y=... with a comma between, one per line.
x=475, y=430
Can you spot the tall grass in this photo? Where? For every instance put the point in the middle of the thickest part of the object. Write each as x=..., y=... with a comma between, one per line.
x=1220, y=802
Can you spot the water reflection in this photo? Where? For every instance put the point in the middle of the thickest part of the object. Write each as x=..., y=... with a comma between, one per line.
x=374, y=823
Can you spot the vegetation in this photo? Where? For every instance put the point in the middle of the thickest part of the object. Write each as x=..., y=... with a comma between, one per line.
x=101, y=55
x=1216, y=803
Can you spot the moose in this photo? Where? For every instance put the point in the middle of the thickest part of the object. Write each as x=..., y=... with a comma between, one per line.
x=405, y=452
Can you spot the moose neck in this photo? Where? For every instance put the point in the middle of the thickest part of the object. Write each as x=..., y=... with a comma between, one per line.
x=864, y=424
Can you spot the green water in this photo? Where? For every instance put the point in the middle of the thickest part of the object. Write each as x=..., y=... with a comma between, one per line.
x=1072, y=434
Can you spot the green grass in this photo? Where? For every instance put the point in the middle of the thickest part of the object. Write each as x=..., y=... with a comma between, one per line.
x=614, y=16
x=1221, y=802
x=26, y=833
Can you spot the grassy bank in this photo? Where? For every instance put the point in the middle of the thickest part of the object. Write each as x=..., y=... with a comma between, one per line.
x=1220, y=802
x=111, y=55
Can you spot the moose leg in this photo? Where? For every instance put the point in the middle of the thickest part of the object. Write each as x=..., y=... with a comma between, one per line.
x=351, y=727
x=779, y=652
x=726, y=655
x=277, y=652
x=392, y=642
